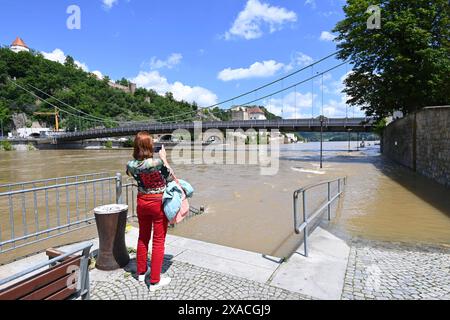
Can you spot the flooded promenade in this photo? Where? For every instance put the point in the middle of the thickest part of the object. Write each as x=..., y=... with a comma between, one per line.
x=383, y=200
x=388, y=237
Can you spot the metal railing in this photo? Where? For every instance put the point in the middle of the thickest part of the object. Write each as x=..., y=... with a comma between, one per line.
x=38, y=210
x=307, y=219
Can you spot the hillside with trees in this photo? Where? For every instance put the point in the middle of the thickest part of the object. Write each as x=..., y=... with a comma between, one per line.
x=82, y=90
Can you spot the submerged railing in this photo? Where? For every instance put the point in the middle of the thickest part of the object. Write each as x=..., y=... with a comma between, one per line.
x=307, y=218
x=38, y=210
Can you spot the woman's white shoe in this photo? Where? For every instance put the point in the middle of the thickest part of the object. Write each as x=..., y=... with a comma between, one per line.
x=163, y=282
x=142, y=277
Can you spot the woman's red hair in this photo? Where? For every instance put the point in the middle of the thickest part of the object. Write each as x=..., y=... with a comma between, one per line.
x=143, y=146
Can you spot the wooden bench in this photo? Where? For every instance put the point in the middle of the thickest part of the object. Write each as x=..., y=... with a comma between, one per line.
x=67, y=277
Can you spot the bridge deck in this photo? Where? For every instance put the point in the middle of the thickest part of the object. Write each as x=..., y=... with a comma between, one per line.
x=293, y=125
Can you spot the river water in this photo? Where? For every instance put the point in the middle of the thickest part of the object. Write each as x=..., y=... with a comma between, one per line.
x=247, y=210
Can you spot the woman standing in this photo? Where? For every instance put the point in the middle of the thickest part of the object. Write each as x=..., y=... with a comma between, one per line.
x=152, y=176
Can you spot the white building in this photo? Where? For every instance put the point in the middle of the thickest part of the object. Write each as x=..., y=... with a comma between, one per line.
x=19, y=45
x=32, y=132
x=256, y=113
x=247, y=113
x=290, y=138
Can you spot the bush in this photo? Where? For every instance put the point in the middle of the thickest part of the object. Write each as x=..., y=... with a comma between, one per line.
x=6, y=145
x=128, y=144
x=30, y=147
x=108, y=144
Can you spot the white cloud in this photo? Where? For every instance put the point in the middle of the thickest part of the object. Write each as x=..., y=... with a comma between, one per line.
x=299, y=59
x=171, y=61
x=108, y=4
x=292, y=105
x=154, y=80
x=98, y=74
x=339, y=109
x=59, y=56
x=248, y=24
x=256, y=70
x=302, y=59
x=327, y=36
x=311, y=3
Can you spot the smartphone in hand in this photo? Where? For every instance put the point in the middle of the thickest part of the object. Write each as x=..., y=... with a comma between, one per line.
x=157, y=149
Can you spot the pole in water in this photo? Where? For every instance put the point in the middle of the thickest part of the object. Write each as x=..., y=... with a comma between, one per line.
x=349, y=141
x=321, y=141
x=357, y=141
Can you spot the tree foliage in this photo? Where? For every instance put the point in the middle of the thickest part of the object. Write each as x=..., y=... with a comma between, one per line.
x=404, y=65
x=82, y=90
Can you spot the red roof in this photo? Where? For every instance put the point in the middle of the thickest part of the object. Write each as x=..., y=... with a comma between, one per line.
x=19, y=42
x=255, y=110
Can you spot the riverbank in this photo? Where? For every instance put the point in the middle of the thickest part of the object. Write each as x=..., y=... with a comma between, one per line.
x=373, y=271
x=383, y=202
x=368, y=270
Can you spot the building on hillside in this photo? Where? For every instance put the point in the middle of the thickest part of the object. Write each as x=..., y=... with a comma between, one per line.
x=255, y=113
x=131, y=88
x=239, y=113
x=19, y=45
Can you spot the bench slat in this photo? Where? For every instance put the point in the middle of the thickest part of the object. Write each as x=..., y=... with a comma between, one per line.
x=61, y=295
x=48, y=290
x=38, y=281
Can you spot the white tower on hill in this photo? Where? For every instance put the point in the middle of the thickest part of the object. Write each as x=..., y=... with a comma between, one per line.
x=19, y=45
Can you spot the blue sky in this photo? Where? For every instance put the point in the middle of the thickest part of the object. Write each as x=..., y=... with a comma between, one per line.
x=200, y=50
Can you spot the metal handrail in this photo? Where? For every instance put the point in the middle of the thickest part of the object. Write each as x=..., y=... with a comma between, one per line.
x=303, y=226
x=51, y=179
x=68, y=211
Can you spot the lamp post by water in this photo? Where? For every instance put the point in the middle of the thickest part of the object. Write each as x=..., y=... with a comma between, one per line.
x=357, y=141
x=321, y=118
x=349, y=140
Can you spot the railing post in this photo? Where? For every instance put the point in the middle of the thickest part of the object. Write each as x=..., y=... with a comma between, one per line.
x=305, y=231
x=295, y=212
x=339, y=187
x=118, y=188
x=329, y=204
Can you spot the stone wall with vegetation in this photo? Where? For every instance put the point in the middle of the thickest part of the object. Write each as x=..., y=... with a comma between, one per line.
x=421, y=141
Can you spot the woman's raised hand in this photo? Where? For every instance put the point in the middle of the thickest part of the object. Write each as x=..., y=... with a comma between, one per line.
x=162, y=154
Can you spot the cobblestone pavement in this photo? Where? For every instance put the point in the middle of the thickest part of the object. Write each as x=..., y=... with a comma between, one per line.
x=397, y=272
x=376, y=270
x=188, y=283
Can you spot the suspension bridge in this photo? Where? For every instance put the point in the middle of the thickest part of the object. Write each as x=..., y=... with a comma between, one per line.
x=293, y=117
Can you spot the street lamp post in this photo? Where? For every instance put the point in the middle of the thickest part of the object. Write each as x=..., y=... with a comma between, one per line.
x=349, y=140
x=321, y=141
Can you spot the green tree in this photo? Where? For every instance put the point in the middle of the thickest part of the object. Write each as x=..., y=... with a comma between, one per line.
x=405, y=64
x=73, y=86
x=70, y=62
x=4, y=116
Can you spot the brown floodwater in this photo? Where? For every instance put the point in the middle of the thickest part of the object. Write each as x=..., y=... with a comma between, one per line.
x=247, y=210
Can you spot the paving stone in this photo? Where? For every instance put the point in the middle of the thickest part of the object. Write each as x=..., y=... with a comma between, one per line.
x=397, y=271
x=189, y=282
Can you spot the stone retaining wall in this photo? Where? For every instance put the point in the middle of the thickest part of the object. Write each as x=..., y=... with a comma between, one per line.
x=421, y=141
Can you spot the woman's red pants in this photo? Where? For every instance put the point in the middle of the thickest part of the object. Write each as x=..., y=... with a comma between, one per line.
x=151, y=216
